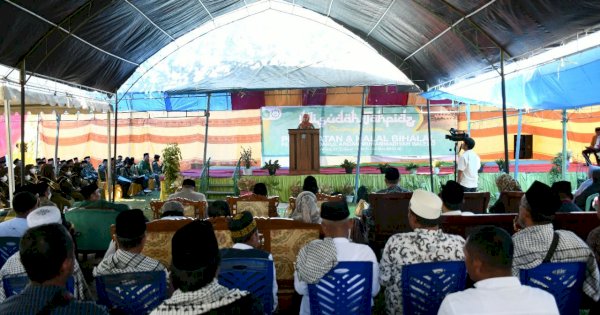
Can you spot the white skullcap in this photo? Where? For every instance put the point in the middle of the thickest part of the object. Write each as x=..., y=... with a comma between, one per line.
x=426, y=204
x=43, y=215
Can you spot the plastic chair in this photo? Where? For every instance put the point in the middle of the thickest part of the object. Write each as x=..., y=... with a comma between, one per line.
x=588, y=202
x=132, y=293
x=8, y=246
x=563, y=280
x=345, y=289
x=251, y=274
x=15, y=284
x=425, y=285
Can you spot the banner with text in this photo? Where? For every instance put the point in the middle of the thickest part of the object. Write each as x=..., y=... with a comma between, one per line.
x=387, y=131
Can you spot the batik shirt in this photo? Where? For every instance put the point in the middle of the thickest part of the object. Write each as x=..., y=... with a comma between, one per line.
x=126, y=262
x=14, y=267
x=532, y=244
x=419, y=246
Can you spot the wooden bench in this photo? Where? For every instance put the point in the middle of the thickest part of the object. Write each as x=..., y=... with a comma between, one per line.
x=191, y=208
x=511, y=200
x=390, y=216
x=321, y=198
x=158, y=238
x=258, y=205
x=476, y=202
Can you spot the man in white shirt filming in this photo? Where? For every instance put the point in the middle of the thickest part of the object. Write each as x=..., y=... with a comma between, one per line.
x=468, y=166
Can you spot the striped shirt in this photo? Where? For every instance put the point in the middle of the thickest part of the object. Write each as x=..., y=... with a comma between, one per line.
x=532, y=244
x=125, y=262
x=14, y=267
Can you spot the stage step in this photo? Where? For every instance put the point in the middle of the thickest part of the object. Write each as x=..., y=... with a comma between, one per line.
x=220, y=186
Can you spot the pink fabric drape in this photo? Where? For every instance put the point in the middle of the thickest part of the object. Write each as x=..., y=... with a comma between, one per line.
x=386, y=95
x=15, y=124
x=247, y=100
x=314, y=97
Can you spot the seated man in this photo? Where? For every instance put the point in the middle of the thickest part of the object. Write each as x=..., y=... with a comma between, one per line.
x=535, y=234
x=488, y=256
x=593, y=188
x=563, y=190
x=587, y=182
x=427, y=243
x=172, y=210
x=47, y=254
x=102, y=170
x=91, y=194
x=14, y=265
x=218, y=208
x=131, y=235
x=194, y=277
x=318, y=257
x=244, y=235
x=452, y=198
x=188, y=191
x=594, y=148
x=23, y=203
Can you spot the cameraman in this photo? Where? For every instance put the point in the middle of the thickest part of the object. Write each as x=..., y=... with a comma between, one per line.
x=468, y=166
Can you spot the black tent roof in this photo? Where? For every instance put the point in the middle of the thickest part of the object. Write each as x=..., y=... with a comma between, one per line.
x=99, y=43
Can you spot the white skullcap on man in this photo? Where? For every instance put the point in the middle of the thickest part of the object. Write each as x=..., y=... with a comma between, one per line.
x=426, y=204
x=43, y=215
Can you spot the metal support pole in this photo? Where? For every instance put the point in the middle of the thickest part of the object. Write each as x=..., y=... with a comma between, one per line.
x=504, y=123
x=429, y=142
x=22, y=81
x=362, y=114
x=37, y=137
x=11, y=171
x=114, y=179
x=56, y=143
x=109, y=173
x=564, y=165
x=518, y=145
x=468, y=110
x=206, y=130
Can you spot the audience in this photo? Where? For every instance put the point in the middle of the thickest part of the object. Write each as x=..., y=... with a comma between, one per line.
x=318, y=257
x=247, y=242
x=194, y=277
x=535, y=234
x=188, y=191
x=427, y=243
x=218, y=208
x=13, y=265
x=587, y=182
x=593, y=239
x=452, y=198
x=91, y=194
x=130, y=232
x=260, y=189
x=563, y=190
x=504, y=182
x=172, y=210
x=488, y=256
x=306, y=202
x=47, y=254
x=593, y=188
x=23, y=203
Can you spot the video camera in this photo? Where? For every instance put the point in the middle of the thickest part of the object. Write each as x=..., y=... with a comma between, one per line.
x=457, y=135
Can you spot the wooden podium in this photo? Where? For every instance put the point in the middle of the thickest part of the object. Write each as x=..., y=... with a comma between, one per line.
x=304, y=151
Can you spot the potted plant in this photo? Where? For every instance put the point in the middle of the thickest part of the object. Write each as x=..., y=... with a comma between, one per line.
x=348, y=166
x=295, y=189
x=412, y=168
x=382, y=167
x=272, y=167
x=436, y=166
x=171, y=158
x=348, y=191
x=501, y=164
x=246, y=160
x=245, y=185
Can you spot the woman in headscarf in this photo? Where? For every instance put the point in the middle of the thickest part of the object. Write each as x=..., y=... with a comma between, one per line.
x=306, y=202
x=306, y=124
x=504, y=182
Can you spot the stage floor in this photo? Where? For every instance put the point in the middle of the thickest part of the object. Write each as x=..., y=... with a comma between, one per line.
x=528, y=166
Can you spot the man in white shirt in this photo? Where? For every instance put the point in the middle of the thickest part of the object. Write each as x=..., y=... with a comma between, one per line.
x=319, y=256
x=468, y=166
x=488, y=257
x=188, y=191
x=23, y=203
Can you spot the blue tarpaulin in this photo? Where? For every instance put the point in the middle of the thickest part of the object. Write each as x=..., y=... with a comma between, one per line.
x=161, y=101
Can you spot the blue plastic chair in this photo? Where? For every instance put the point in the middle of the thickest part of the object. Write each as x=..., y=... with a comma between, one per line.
x=345, y=289
x=8, y=246
x=251, y=274
x=132, y=293
x=563, y=280
x=425, y=285
x=15, y=284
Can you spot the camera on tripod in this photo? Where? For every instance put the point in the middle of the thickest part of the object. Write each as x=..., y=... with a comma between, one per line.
x=457, y=135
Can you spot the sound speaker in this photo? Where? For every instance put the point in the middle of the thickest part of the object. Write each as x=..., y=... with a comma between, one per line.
x=526, y=147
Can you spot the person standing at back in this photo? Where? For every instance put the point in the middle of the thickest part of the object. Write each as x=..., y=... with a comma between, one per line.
x=468, y=166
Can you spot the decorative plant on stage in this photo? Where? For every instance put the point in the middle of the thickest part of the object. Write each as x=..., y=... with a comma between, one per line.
x=246, y=184
x=326, y=189
x=246, y=157
x=348, y=166
x=556, y=170
x=501, y=164
x=411, y=167
x=383, y=166
x=295, y=189
x=171, y=158
x=272, y=167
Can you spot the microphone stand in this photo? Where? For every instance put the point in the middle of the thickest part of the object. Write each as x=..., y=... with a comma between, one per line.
x=455, y=159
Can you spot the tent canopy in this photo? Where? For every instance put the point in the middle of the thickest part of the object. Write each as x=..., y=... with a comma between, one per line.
x=100, y=43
